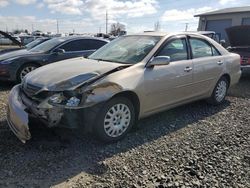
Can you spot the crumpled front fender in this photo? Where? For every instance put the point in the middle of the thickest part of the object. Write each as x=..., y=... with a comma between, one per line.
x=100, y=93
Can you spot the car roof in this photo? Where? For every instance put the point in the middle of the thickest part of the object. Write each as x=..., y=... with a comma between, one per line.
x=201, y=32
x=163, y=34
x=152, y=33
x=68, y=38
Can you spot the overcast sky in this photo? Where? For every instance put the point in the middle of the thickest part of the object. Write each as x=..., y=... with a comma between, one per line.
x=88, y=16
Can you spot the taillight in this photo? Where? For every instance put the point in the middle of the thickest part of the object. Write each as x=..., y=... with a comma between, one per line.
x=244, y=60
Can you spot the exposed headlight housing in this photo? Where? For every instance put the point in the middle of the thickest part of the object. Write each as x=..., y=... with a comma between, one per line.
x=60, y=99
x=56, y=99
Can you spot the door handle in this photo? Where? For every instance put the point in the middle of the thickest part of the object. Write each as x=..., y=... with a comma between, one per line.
x=188, y=69
x=220, y=62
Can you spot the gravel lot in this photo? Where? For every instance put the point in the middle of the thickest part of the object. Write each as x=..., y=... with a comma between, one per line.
x=196, y=145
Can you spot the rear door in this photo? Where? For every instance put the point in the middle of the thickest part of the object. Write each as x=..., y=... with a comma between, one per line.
x=207, y=65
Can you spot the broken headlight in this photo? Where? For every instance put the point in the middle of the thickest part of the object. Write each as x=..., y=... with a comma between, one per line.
x=56, y=98
x=67, y=99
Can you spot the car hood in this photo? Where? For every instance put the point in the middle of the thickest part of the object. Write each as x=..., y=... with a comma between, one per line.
x=9, y=50
x=239, y=35
x=69, y=74
x=17, y=53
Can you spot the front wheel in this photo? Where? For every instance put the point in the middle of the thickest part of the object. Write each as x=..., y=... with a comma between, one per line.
x=115, y=120
x=220, y=92
x=24, y=70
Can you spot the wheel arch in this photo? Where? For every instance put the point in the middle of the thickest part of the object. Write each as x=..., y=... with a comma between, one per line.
x=133, y=97
x=227, y=76
x=24, y=64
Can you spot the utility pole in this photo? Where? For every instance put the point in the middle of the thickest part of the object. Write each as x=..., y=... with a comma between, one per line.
x=32, y=28
x=157, y=26
x=57, y=26
x=186, y=28
x=100, y=29
x=106, y=22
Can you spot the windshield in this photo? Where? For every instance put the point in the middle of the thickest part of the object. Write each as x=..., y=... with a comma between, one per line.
x=47, y=45
x=34, y=43
x=127, y=49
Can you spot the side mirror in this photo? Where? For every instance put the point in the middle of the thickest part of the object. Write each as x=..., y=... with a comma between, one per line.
x=159, y=60
x=59, y=51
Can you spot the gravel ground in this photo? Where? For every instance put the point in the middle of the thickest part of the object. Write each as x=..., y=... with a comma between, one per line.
x=196, y=145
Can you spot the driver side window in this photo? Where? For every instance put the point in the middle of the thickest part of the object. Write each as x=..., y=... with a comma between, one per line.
x=175, y=49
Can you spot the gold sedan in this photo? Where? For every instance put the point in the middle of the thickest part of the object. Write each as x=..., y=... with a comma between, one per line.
x=130, y=78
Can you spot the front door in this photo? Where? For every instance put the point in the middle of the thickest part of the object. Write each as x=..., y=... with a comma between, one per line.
x=169, y=84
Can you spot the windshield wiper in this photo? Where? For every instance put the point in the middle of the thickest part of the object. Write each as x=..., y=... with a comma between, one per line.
x=112, y=61
x=102, y=60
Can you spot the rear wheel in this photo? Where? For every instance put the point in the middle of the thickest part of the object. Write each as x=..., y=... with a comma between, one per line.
x=220, y=92
x=24, y=70
x=115, y=119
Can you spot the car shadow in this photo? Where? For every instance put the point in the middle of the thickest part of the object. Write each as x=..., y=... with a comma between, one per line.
x=54, y=156
x=6, y=86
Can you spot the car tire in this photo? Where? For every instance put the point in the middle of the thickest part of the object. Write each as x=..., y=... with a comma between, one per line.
x=219, y=92
x=25, y=69
x=115, y=120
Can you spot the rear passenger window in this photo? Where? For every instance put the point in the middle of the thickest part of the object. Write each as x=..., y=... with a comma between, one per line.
x=200, y=48
x=95, y=44
x=175, y=49
x=76, y=45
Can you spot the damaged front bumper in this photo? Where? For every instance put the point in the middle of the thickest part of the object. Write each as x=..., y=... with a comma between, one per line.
x=17, y=117
x=21, y=110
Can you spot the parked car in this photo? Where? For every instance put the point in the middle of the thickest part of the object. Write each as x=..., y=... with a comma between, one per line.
x=239, y=38
x=26, y=39
x=15, y=65
x=7, y=41
x=27, y=47
x=130, y=78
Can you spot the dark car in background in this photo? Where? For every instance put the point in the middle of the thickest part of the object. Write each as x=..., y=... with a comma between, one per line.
x=239, y=38
x=27, y=46
x=15, y=65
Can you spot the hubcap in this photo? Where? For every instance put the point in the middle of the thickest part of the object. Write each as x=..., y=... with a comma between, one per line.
x=221, y=91
x=117, y=120
x=26, y=70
